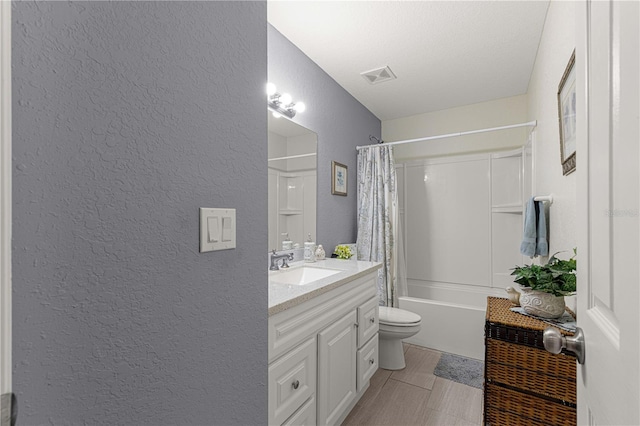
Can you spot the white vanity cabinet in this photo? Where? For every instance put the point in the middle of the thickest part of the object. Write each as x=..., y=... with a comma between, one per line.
x=322, y=353
x=336, y=368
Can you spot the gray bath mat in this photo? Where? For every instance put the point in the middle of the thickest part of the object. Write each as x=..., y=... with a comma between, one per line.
x=460, y=369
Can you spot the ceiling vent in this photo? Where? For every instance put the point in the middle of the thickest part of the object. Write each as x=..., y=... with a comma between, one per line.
x=378, y=75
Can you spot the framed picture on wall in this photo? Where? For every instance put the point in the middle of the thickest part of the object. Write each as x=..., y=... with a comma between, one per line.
x=567, y=117
x=338, y=178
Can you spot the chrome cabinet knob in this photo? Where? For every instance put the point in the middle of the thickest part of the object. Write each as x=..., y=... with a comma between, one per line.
x=372, y=320
x=555, y=342
x=372, y=361
x=295, y=384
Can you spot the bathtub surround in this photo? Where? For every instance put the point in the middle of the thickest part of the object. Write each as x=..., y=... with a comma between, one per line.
x=128, y=117
x=463, y=221
x=341, y=123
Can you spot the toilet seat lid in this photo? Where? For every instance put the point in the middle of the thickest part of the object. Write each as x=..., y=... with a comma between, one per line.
x=389, y=315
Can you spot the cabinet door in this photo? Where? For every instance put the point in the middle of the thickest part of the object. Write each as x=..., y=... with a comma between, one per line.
x=336, y=369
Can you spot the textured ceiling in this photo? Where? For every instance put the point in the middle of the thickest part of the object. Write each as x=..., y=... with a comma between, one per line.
x=444, y=53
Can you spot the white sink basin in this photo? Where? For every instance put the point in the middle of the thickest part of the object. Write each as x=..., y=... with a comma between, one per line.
x=300, y=276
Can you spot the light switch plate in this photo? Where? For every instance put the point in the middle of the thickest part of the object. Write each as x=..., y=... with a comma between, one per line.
x=217, y=229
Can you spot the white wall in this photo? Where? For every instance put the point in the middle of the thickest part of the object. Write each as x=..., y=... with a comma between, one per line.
x=499, y=112
x=556, y=45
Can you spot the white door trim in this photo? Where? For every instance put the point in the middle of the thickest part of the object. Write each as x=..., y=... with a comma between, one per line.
x=5, y=198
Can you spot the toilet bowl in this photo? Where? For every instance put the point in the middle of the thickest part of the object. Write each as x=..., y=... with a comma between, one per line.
x=395, y=324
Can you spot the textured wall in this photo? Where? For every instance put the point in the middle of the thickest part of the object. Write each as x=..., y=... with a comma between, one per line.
x=341, y=122
x=128, y=117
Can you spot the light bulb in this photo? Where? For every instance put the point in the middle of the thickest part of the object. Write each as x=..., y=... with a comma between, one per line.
x=285, y=99
x=277, y=114
x=300, y=107
x=271, y=89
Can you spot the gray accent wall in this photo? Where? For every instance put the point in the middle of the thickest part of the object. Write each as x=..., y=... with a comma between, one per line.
x=341, y=122
x=128, y=117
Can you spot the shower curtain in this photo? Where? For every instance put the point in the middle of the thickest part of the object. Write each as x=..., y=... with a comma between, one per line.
x=379, y=236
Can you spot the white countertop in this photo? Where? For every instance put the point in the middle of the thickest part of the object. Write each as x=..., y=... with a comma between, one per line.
x=285, y=296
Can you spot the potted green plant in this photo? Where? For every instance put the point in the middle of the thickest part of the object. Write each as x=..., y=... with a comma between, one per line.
x=544, y=286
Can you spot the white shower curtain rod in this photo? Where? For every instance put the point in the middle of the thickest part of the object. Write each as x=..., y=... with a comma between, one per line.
x=291, y=157
x=451, y=135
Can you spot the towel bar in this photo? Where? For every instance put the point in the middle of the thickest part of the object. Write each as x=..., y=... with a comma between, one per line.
x=545, y=198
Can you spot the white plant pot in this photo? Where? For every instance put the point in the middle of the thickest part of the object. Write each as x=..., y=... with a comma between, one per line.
x=541, y=304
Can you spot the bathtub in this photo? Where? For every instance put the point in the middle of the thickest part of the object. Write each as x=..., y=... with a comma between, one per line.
x=453, y=316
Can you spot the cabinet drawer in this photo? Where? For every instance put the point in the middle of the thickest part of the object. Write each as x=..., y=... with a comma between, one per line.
x=367, y=361
x=367, y=320
x=292, y=380
x=305, y=416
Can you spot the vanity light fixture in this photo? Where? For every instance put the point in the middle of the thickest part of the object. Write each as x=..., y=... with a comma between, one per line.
x=282, y=104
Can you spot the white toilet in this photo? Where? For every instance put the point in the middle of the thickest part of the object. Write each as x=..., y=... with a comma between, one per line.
x=395, y=324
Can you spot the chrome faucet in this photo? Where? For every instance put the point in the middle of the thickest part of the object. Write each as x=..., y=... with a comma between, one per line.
x=275, y=257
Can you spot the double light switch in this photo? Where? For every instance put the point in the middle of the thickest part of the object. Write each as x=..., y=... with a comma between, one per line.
x=217, y=229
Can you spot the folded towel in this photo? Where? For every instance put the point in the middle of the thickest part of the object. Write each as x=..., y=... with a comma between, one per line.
x=528, y=245
x=542, y=247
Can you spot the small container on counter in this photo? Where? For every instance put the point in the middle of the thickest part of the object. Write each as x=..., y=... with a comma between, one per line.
x=309, y=250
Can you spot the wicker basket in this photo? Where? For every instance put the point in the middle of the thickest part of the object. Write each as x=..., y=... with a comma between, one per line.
x=529, y=369
x=524, y=384
x=504, y=324
x=509, y=407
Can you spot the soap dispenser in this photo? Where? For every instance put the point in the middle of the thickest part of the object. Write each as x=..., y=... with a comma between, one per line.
x=287, y=244
x=309, y=250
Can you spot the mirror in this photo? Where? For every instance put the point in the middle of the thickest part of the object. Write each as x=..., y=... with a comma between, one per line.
x=292, y=182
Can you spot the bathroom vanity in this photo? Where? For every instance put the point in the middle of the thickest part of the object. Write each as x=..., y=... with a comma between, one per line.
x=323, y=340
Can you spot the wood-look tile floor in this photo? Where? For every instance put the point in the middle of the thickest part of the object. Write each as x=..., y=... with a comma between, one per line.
x=415, y=396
